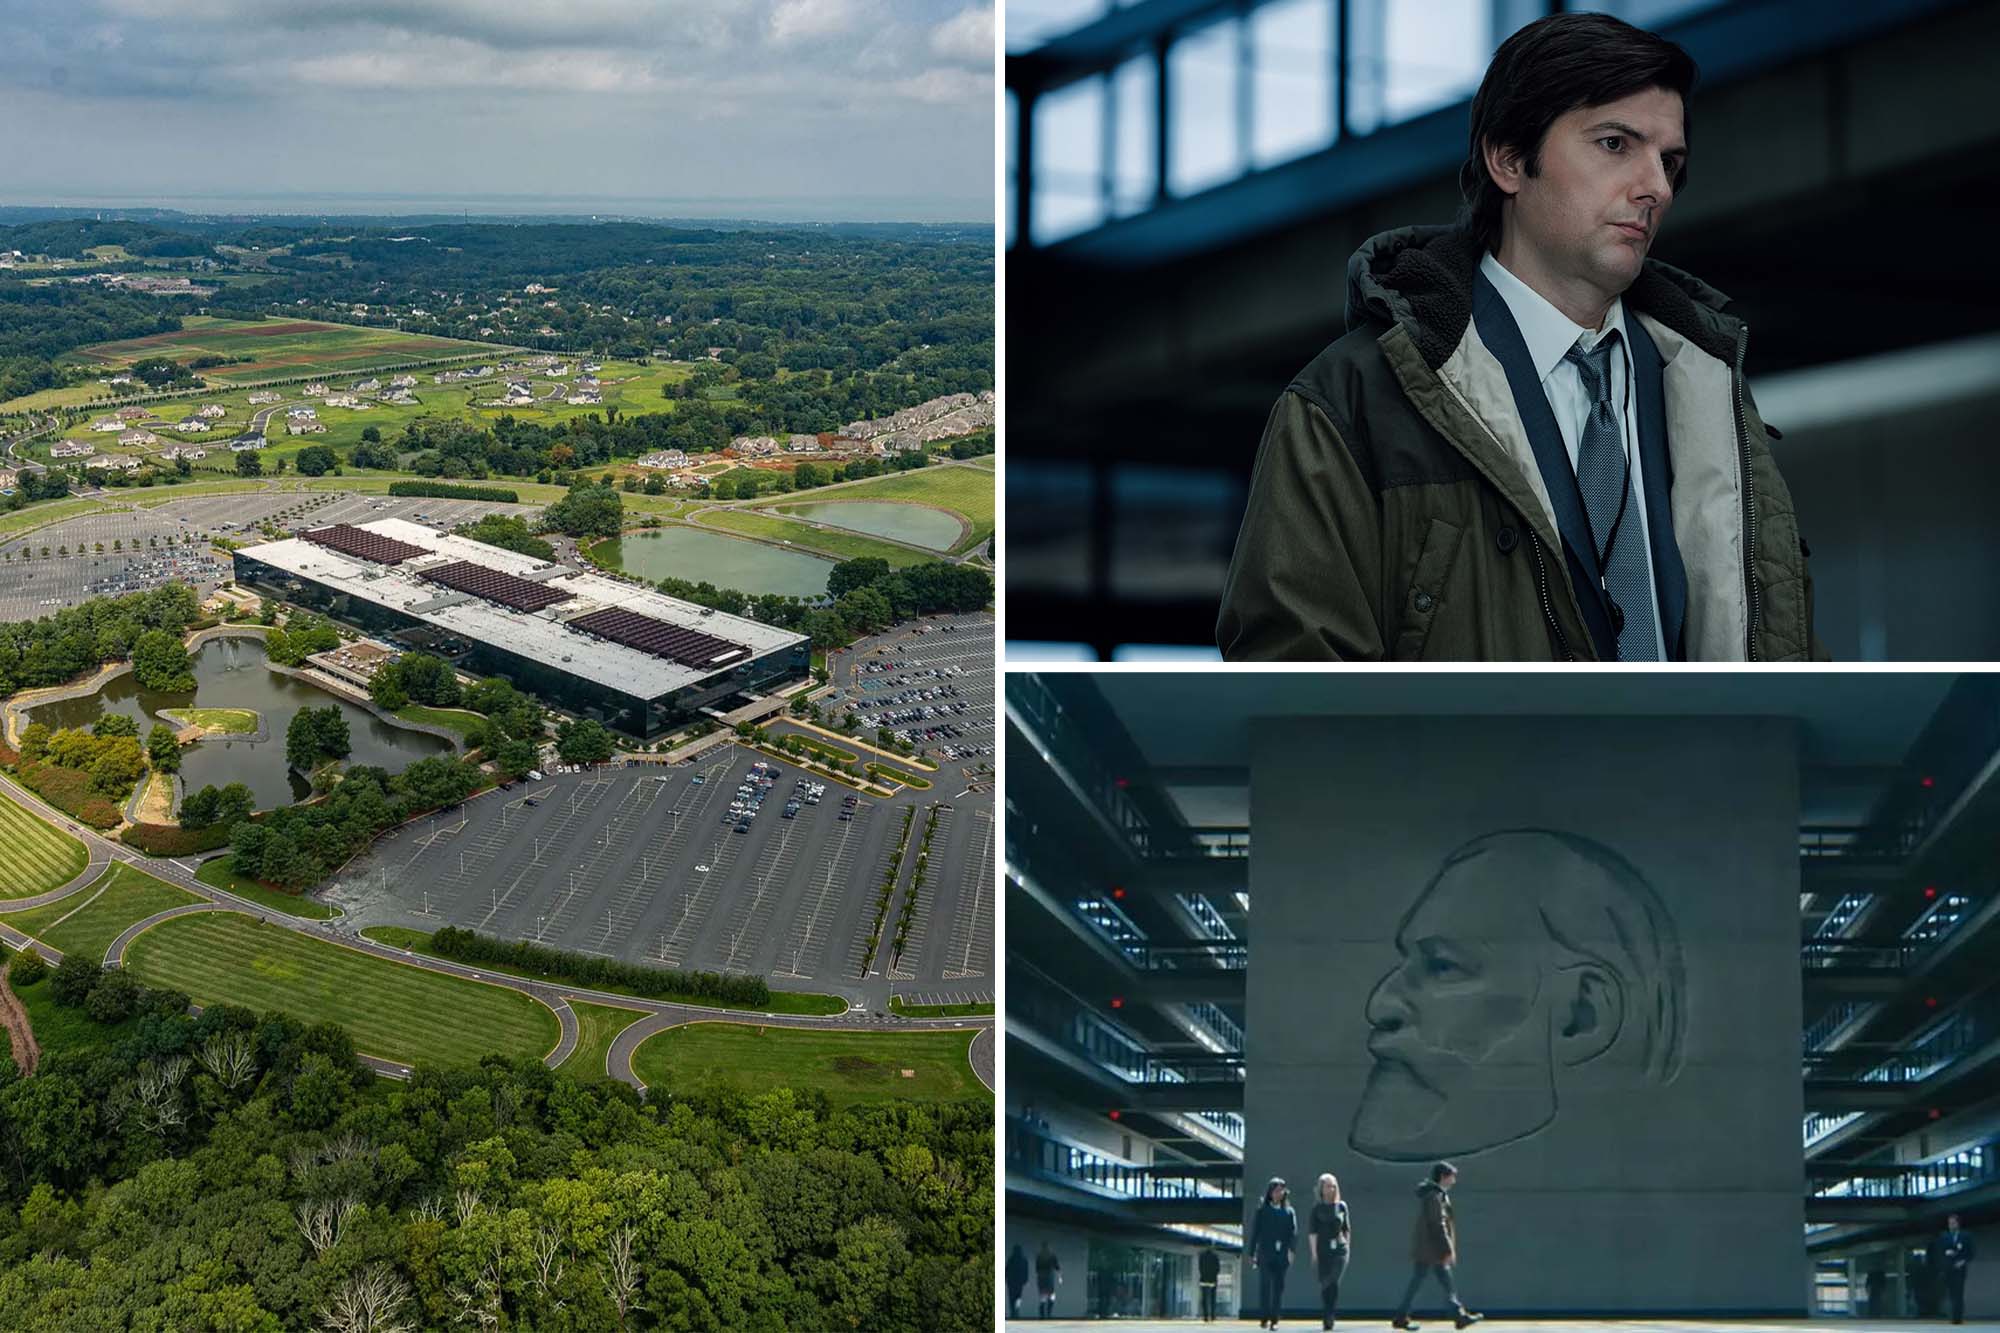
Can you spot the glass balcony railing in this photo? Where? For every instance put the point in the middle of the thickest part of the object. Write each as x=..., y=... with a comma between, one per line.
x=1968, y=1028
x=1209, y=920
x=1052, y=1010
x=1820, y=1124
x=1065, y=745
x=1836, y=1019
x=1846, y=955
x=1227, y=1034
x=1947, y=1175
x=1038, y=1152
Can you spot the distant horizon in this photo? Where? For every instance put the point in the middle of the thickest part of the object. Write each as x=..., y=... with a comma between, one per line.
x=357, y=204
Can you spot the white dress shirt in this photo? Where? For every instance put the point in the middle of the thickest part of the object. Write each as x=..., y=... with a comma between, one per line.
x=1549, y=334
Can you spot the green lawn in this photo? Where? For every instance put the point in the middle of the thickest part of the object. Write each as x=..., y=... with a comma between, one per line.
x=985, y=461
x=460, y=720
x=849, y=1067
x=217, y=874
x=393, y=1011
x=896, y=775
x=597, y=1025
x=34, y=857
x=228, y=720
x=782, y=1002
x=826, y=541
x=88, y=921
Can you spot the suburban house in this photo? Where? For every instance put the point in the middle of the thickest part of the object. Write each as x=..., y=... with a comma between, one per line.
x=753, y=446
x=368, y=386
x=302, y=413
x=8, y=476
x=664, y=458
x=191, y=423
x=118, y=462
x=245, y=442
x=72, y=449
x=141, y=439
x=107, y=424
x=802, y=444
x=265, y=396
x=343, y=400
x=401, y=397
x=584, y=398
x=403, y=382
x=212, y=411
x=134, y=413
x=187, y=451
x=304, y=426
x=316, y=389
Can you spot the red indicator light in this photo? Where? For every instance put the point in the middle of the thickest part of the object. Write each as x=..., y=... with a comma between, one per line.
x=1935, y=1113
x=1928, y=782
x=1930, y=1001
x=1930, y=890
x=1118, y=893
x=1117, y=1002
x=1121, y=783
x=1117, y=1114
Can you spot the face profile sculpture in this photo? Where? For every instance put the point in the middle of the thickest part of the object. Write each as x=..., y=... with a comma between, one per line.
x=1533, y=958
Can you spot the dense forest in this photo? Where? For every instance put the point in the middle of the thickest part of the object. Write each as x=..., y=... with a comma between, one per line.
x=38, y=324
x=231, y=1171
x=57, y=647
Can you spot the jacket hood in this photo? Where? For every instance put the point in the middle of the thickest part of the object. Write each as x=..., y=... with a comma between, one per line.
x=1422, y=278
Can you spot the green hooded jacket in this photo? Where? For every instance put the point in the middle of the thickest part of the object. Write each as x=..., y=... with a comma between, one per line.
x=1397, y=511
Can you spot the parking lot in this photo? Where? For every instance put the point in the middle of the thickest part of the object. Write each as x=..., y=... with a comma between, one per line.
x=930, y=685
x=690, y=866
x=136, y=543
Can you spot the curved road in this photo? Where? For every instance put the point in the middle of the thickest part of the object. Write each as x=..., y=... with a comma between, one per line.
x=101, y=849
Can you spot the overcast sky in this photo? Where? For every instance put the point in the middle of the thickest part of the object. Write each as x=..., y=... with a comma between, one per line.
x=788, y=109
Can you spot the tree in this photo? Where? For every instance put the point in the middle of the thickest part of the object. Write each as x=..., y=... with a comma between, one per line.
x=114, y=724
x=250, y=463
x=160, y=662
x=315, y=734
x=587, y=511
x=316, y=460
x=515, y=757
x=162, y=749
x=74, y=977
x=851, y=574
x=583, y=742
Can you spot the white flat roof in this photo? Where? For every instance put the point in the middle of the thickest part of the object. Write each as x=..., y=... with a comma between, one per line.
x=541, y=636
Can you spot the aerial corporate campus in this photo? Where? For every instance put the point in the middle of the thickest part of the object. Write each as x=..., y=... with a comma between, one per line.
x=1644, y=997
x=636, y=660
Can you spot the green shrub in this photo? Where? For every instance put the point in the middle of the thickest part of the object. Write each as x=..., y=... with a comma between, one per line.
x=29, y=967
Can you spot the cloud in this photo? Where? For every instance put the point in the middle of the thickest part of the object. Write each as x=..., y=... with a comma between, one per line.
x=943, y=87
x=967, y=36
x=802, y=20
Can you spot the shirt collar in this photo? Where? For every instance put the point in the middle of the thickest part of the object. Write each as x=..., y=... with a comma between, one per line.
x=1547, y=331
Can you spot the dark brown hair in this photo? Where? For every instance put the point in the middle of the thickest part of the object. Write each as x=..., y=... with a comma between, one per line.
x=1547, y=69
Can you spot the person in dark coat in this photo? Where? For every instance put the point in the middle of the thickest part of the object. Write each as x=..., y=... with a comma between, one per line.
x=1434, y=1246
x=1017, y=1280
x=1330, y=1230
x=1951, y=1254
x=1048, y=1276
x=1274, y=1235
x=1210, y=1268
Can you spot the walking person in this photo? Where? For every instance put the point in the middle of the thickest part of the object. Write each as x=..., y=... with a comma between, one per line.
x=1210, y=1268
x=1048, y=1276
x=1951, y=1255
x=1330, y=1230
x=1434, y=1246
x=1017, y=1280
x=1274, y=1235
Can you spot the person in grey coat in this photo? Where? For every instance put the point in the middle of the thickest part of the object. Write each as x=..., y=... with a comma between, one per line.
x=1434, y=1246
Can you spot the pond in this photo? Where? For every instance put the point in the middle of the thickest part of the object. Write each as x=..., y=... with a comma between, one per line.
x=232, y=673
x=727, y=562
x=919, y=525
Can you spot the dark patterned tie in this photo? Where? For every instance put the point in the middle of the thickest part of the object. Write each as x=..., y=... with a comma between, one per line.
x=1605, y=479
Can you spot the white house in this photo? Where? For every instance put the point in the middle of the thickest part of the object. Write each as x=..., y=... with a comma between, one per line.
x=187, y=451
x=368, y=386
x=212, y=411
x=119, y=462
x=403, y=382
x=72, y=449
x=302, y=413
x=107, y=424
x=585, y=398
x=191, y=423
x=304, y=426
x=134, y=413
x=343, y=400
x=400, y=397
x=243, y=443
x=140, y=439
x=316, y=389
x=8, y=476
x=802, y=444
x=665, y=458
x=265, y=396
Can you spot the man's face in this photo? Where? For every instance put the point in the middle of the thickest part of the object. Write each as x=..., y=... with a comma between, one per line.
x=1605, y=185
x=1459, y=1029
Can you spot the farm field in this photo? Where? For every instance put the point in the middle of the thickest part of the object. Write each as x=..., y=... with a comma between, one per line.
x=280, y=347
x=34, y=857
x=88, y=921
x=825, y=541
x=851, y=1068
x=392, y=1010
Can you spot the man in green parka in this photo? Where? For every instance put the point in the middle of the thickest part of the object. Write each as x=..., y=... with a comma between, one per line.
x=1534, y=442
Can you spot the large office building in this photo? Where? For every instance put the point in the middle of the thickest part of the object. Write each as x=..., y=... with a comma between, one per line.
x=632, y=658
x=1758, y=1084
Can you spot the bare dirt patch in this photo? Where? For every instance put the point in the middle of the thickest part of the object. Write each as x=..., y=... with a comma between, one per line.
x=20, y=1034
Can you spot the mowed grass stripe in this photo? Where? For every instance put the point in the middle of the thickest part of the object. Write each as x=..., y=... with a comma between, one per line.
x=128, y=896
x=393, y=1010
x=34, y=856
x=850, y=1067
x=598, y=1025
